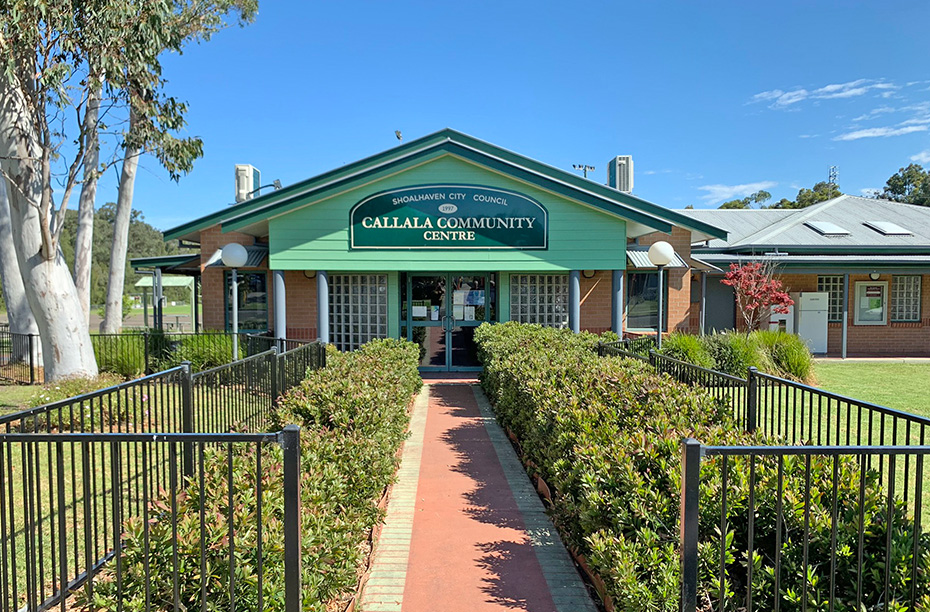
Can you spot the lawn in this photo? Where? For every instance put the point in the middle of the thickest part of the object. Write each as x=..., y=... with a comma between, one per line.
x=903, y=386
x=15, y=397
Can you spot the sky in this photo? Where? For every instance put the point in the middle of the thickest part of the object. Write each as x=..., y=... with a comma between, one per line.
x=714, y=100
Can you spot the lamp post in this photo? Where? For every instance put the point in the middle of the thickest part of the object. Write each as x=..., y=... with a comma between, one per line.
x=660, y=255
x=234, y=256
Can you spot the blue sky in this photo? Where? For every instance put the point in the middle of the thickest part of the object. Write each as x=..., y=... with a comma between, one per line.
x=713, y=100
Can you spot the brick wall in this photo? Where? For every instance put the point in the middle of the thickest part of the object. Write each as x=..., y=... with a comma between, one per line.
x=212, y=287
x=893, y=339
x=595, y=302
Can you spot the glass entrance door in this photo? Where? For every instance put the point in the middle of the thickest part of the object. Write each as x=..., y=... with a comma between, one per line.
x=442, y=312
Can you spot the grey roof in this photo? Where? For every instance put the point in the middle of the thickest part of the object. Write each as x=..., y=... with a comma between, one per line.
x=784, y=229
x=784, y=258
x=256, y=254
x=639, y=258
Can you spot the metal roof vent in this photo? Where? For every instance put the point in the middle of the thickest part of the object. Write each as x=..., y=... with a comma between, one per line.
x=248, y=179
x=825, y=228
x=887, y=228
x=620, y=173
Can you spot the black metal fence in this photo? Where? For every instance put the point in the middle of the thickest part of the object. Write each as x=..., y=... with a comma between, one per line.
x=19, y=357
x=86, y=478
x=831, y=516
x=160, y=521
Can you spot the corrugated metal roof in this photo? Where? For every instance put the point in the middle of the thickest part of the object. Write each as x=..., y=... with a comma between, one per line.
x=726, y=258
x=638, y=257
x=256, y=255
x=788, y=228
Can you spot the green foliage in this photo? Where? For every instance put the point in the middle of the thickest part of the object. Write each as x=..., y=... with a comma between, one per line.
x=687, y=347
x=605, y=434
x=821, y=192
x=353, y=418
x=910, y=185
x=71, y=387
x=759, y=197
x=122, y=354
x=773, y=352
x=204, y=350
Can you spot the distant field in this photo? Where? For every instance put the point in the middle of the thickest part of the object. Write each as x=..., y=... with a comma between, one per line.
x=903, y=386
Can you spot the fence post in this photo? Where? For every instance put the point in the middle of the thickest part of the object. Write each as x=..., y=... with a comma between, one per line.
x=187, y=416
x=752, y=399
x=274, y=374
x=652, y=360
x=32, y=359
x=145, y=350
x=322, y=349
x=690, y=491
x=290, y=443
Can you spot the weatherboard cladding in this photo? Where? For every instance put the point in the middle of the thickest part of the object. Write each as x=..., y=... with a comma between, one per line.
x=317, y=236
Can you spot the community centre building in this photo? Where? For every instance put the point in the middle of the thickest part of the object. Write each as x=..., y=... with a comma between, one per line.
x=431, y=238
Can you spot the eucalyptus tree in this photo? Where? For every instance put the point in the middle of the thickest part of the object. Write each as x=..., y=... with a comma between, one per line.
x=18, y=312
x=54, y=55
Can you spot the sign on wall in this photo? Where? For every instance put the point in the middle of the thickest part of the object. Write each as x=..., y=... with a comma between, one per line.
x=448, y=217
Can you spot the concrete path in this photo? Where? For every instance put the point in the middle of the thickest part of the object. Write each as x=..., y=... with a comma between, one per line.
x=465, y=529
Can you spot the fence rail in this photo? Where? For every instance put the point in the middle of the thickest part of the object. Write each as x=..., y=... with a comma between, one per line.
x=833, y=515
x=113, y=504
x=18, y=357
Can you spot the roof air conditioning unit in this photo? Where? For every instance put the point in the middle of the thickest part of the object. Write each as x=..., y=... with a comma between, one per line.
x=620, y=173
x=248, y=179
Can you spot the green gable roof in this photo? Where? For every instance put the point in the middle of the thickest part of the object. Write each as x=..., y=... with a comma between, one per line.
x=446, y=142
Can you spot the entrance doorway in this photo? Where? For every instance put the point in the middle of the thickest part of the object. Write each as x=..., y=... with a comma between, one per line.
x=440, y=313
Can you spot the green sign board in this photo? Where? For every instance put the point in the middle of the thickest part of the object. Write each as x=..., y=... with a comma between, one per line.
x=448, y=217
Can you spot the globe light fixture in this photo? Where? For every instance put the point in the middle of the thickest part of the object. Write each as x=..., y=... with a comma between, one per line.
x=660, y=255
x=234, y=256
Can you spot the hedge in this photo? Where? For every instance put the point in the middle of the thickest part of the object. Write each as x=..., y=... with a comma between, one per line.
x=353, y=417
x=605, y=433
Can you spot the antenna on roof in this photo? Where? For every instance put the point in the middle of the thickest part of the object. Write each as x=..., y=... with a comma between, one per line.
x=834, y=175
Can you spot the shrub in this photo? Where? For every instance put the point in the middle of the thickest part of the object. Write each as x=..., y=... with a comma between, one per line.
x=605, y=433
x=790, y=355
x=734, y=353
x=353, y=418
x=686, y=347
x=204, y=351
x=122, y=354
x=72, y=387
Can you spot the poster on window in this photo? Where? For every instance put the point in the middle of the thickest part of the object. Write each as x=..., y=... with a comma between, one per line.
x=870, y=304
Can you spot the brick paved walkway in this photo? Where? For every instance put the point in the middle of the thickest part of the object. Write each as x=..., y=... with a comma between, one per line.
x=465, y=529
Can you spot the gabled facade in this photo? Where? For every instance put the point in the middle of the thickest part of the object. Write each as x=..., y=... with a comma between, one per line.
x=431, y=238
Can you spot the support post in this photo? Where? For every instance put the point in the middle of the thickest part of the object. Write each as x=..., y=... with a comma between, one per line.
x=290, y=443
x=752, y=399
x=845, y=311
x=616, y=303
x=322, y=305
x=32, y=359
x=703, y=311
x=196, y=304
x=157, y=294
x=660, y=313
x=187, y=416
x=690, y=491
x=574, y=300
x=280, y=309
x=234, y=296
x=145, y=350
x=145, y=307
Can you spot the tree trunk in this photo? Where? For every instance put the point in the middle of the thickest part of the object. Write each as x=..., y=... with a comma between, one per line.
x=84, y=239
x=17, y=307
x=49, y=287
x=113, y=318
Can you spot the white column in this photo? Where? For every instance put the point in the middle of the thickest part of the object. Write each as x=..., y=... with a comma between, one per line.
x=616, y=302
x=322, y=305
x=574, y=300
x=280, y=307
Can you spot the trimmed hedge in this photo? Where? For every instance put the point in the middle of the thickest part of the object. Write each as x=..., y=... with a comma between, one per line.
x=773, y=352
x=605, y=433
x=353, y=417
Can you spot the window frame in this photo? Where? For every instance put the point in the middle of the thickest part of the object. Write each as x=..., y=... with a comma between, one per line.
x=885, y=302
x=227, y=307
x=840, y=280
x=626, y=300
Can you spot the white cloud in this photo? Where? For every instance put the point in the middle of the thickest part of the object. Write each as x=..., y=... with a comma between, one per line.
x=783, y=99
x=922, y=158
x=881, y=132
x=875, y=112
x=721, y=193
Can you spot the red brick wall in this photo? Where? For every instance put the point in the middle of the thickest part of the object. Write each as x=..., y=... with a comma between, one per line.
x=595, y=302
x=679, y=279
x=212, y=288
x=893, y=339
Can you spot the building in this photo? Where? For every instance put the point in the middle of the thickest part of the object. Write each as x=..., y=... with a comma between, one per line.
x=872, y=258
x=429, y=239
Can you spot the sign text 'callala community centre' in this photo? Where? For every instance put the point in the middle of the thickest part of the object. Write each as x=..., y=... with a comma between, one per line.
x=448, y=217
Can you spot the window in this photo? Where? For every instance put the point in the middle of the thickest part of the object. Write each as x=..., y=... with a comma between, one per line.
x=871, y=305
x=905, y=298
x=253, y=301
x=834, y=286
x=642, y=300
x=357, y=309
x=539, y=298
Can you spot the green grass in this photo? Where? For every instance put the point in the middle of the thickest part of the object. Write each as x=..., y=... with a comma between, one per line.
x=903, y=386
x=14, y=398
